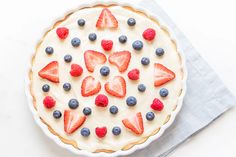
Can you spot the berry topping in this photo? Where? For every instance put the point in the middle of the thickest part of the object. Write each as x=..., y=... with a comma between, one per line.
x=131, y=101
x=123, y=39
x=157, y=105
x=49, y=50
x=104, y=70
x=87, y=111
x=75, y=42
x=164, y=92
x=113, y=110
x=85, y=132
x=101, y=100
x=131, y=21
x=76, y=70
x=90, y=86
x=49, y=102
x=57, y=114
x=141, y=87
x=116, y=87
x=66, y=86
x=107, y=44
x=81, y=22
x=116, y=131
x=134, y=123
x=120, y=60
x=150, y=116
x=68, y=58
x=101, y=131
x=145, y=61
x=149, y=34
x=162, y=75
x=72, y=121
x=46, y=88
x=92, y=36
x=133, y=74
x=73, y=103
x=50, y=72
x=160, y=51
x=93, y=58
x=106, y=20
x=137, y=45
x=62, y=32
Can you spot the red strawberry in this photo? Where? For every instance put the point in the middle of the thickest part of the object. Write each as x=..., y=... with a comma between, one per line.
x=62, y=32
x=157, y=105
x=134, y=123
x=90, y=86
x=101, y=131
x=107, y=44
x=106, y=20
x=120, y=59
x=49, y=102
x=162, y=75
x=133, y=74
x=149, y=34
x=72, y=121
x=76, y=70
x=50, y=72
x=101, y=100
x=116, y=87
x=93, y=58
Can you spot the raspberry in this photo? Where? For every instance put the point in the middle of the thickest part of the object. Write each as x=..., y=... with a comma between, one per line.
x=134, y=74
x=157, y=105
x=62, y=32
x=107, y=44
x=101, y=131
x=49, y=102
x=101, y=100
x=76, y=70
x=149, y=34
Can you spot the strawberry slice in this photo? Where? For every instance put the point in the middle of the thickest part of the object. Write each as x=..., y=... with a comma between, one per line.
x=72, y=121
x=162, y=75
x=134, y=123
x=106, y=20
x=50, y=72
x=120, y=59
x=116, y=87
x=90, y=86
x=93, y=58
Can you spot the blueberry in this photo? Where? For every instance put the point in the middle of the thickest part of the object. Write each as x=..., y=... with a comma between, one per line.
x=116, y=130
x=49, y=50
x=46, y=88
x=81, y=22
x=123, y=39
x=104, y=71
x=150, y=116
x=131, y=101
x=141, y=87
x=145, y=61
x=66, y=86
x=160, y=51
x=131, y=22
x=92, y=36
x=85, y=132
x=73, y=103
x=57, y=114
x=113, y=110
x=137, y=45
x=87, y=111
x=164, y=92
x=67, y=58
x=75, y=42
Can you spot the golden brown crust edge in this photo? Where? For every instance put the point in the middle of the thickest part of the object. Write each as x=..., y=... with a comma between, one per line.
x=74, y=143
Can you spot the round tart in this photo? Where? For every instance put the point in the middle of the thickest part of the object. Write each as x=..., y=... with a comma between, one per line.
x=106, y=78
